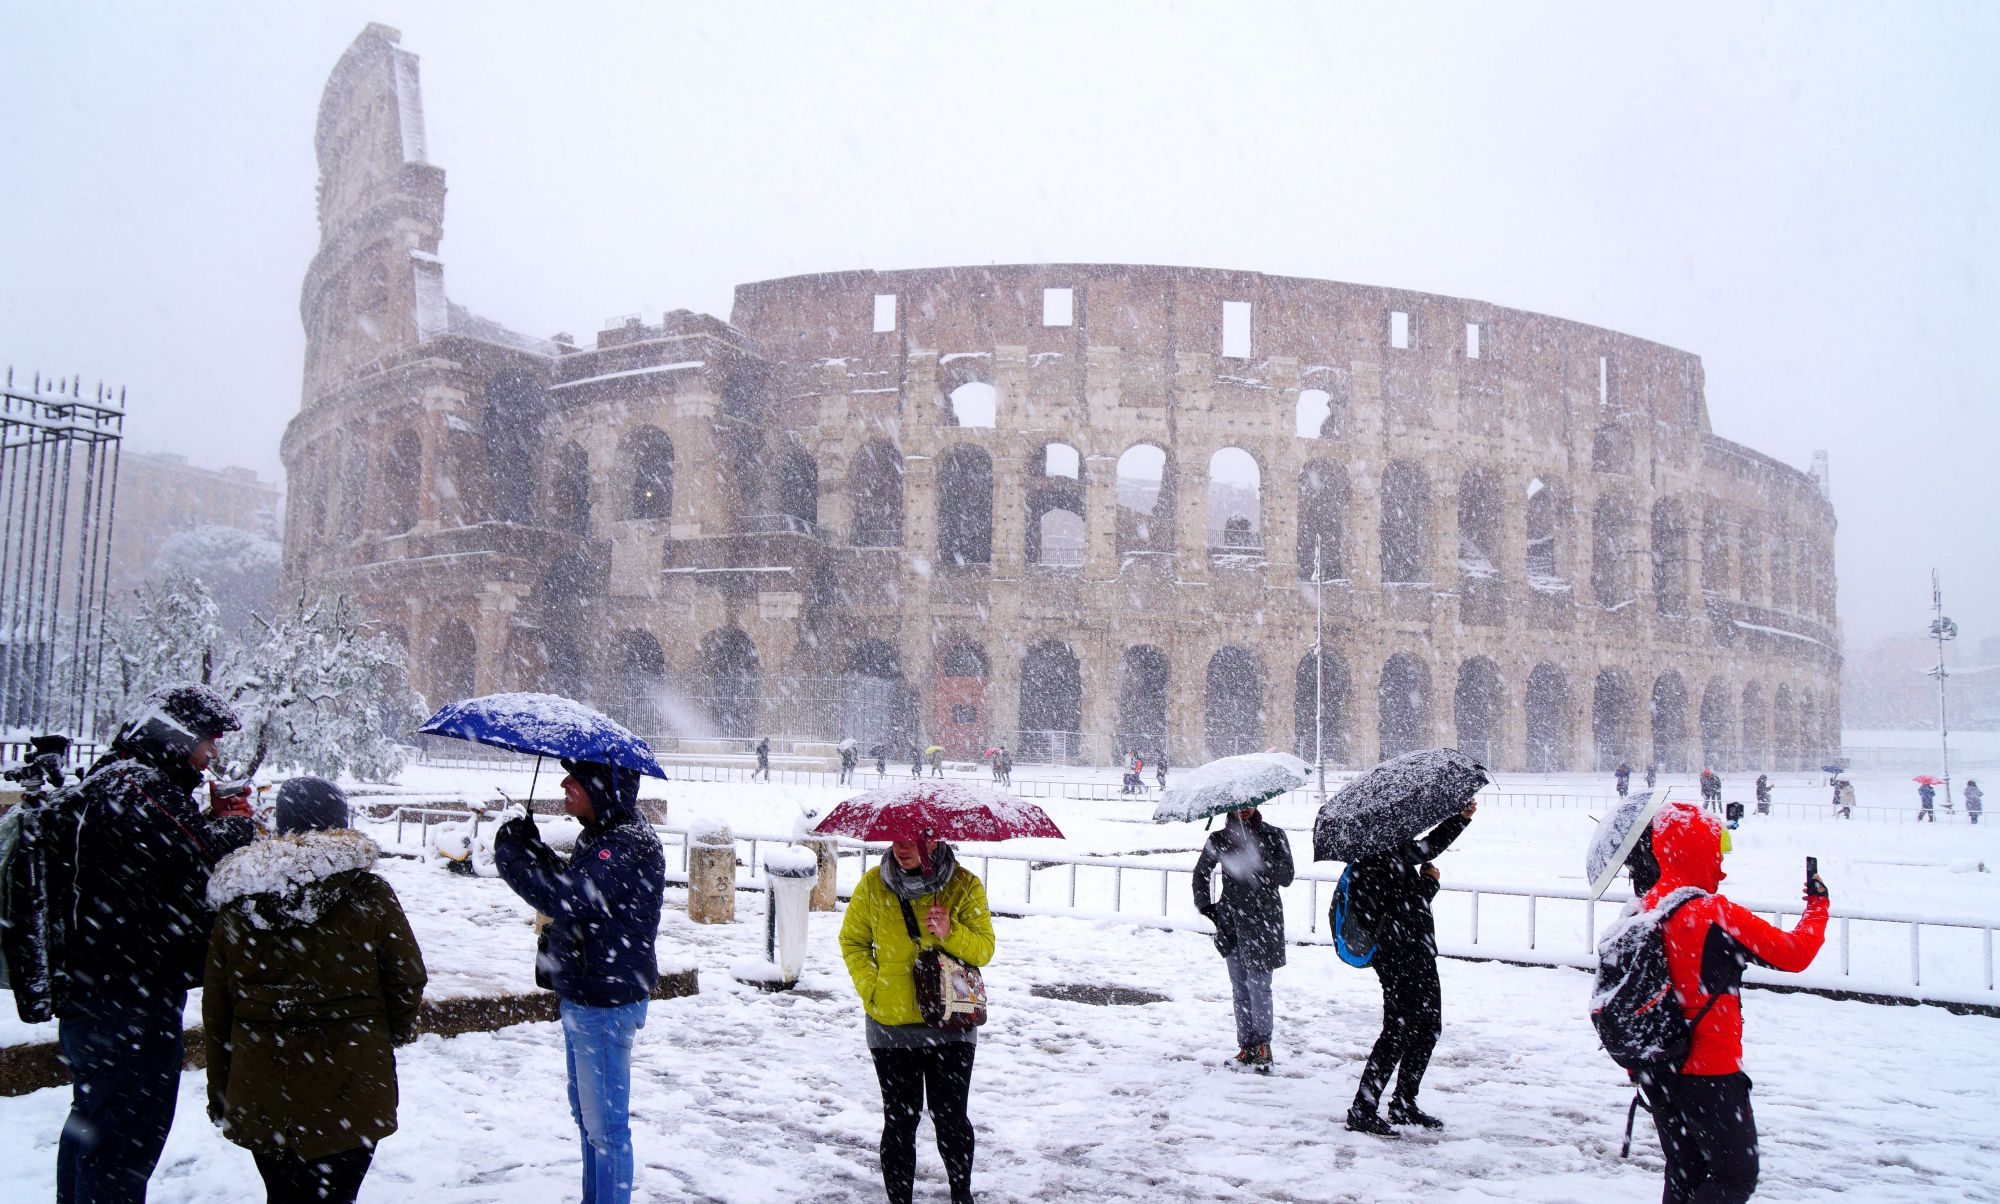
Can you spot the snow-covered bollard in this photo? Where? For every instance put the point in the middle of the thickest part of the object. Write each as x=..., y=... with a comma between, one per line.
x=711, y=872
x=789, y=875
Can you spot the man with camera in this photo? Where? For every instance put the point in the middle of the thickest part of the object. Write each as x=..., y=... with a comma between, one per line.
x=137, y=937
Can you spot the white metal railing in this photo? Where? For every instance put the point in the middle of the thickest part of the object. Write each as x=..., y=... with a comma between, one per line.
x=1903, y=955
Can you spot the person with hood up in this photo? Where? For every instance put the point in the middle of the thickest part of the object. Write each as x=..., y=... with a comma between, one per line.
x=597, y=952
x=1926, y=798
x=138, y=937
x=1623, y=776
x=1711, y=789
x=1975, y=801
x=847, y=759
x=1707, y=1129
x=313, y=978
x=1392, y=891
x=1249, y=917
x=1763, y=794
x=1652, y=774
x=917, y=897
x=763, y=759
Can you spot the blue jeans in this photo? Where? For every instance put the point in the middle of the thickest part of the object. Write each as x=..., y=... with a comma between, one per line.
x=1252, y=991
x=126, y=1064
x=597, y=1043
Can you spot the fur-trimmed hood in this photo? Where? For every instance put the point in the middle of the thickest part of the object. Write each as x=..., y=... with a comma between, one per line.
x=285, y=879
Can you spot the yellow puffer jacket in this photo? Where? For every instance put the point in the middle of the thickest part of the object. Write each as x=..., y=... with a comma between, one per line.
x=875, y=942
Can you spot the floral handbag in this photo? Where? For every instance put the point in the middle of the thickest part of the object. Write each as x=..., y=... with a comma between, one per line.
x=951, y=995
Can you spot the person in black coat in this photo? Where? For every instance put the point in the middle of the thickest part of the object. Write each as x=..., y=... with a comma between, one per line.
x=1391, y=892
x=138, y=937
x=1249, y=917
x=597, y=952
x=1926, y=800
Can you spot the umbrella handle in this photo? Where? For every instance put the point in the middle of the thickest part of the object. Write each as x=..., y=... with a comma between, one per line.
x=532, y=779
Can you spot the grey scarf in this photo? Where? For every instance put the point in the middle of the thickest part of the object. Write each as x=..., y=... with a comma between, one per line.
x=915, y=884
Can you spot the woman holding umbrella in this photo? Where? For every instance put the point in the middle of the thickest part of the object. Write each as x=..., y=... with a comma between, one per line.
x=1249, y=917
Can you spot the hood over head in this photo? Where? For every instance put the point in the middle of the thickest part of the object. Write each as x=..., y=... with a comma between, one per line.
x=1687, y=841
x=283, y=878
x=613, y=789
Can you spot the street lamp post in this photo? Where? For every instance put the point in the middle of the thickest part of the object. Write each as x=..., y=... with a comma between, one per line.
x=1942, y=629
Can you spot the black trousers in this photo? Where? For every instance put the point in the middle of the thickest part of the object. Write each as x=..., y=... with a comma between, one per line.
x=944, y=1073
x=126, y=1066
x=1709, y=1136
x=334, y=1179
x=1412, y=1018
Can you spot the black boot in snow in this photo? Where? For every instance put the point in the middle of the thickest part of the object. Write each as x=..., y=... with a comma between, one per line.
x=1401, y=1113
x=1364, y=1120
x=1260, y=1058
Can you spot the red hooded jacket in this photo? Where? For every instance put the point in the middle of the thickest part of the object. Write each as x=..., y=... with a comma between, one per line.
x=1710, y=940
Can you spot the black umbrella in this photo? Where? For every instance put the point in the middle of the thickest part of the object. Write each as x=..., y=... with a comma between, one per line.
x=1394, y=802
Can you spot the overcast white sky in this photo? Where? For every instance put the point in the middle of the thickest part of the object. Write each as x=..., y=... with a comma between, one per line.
x=1804, y=195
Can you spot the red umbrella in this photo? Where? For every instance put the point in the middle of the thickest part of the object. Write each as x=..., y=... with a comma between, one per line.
x=991, y=752
x=1924, y=779
x=934, y=809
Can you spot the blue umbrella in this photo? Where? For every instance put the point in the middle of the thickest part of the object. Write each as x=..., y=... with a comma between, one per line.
x=545, y=725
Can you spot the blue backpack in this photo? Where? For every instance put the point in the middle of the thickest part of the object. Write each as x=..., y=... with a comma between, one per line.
x=1353, y=940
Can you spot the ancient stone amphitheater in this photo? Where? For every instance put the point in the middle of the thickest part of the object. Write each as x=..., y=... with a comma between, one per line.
x=1078, y=509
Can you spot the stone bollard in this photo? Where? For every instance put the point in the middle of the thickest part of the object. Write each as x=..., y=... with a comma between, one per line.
x=825, y=896
x=711, y=873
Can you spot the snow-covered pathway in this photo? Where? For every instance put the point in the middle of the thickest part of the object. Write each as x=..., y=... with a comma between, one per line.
x=742, y=1096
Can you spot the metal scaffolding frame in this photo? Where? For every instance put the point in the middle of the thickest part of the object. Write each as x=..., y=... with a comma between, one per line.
x=59, y=457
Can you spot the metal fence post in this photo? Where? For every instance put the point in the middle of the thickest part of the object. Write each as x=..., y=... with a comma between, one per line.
x=1532, y=900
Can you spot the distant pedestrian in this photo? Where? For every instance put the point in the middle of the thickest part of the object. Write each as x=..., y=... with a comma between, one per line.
x=1652, y=774
x=1623, y=776
x=1160, y=770
x=1926, y=797
x=846, y=764
x=937, y=761
x=916, y=760
x=1763, y=794
x=763, y=759
x=1843, y=798
x=1711, y=790
x=1249, y=916
x=1391, y=893
x=1006, y=764
x=1974, y=800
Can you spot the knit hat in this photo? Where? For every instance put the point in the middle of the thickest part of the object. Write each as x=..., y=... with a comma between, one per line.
x=310, y=805
x=610, y=787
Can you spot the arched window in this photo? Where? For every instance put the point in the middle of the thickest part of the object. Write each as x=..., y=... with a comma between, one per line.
x=1403, y=705
x=1054, y=530
x=1234, y=705
x=796, y=492
x=648, y=456
x=1057, y=538
x=402, y=474
x=1322, y=694
x=1406, y=523
x=1235, y=503
x=564, y=602
x=1314, y=415
x=875, y=487
x=1547, y=706
x=1670, y=555
x=1145, y=501
x=1051, y=711
x=569, y=490
x=1785, y=730
x=975, y=404
x=511, y=426
x=1544, y=515
x=1718, y=727
x=638, y=672
x=1322, y=520
x=1476, y=706
x=729, y=671
x=1478, y=526
x=1756, y=729
x=1143, y=677
x=958, y=689
x=1670, y=723
x=1610, y=525
x=875, y=704
x=1612, y=706
x=965, y=507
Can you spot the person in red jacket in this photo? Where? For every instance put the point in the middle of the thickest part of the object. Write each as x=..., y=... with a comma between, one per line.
x=1707, y=1130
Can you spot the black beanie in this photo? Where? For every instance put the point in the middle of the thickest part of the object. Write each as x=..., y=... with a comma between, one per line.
x=310, y=805
x=610, y=788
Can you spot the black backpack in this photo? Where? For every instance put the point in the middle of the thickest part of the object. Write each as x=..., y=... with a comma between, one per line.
x=1633, y=1005
x=37, y=874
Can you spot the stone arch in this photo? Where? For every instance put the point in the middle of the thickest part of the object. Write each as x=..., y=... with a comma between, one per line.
x=1406, y=523
x=510, y=423
x=1669, y=713
x=1613, y=705
x=1547, y=711
x=731, y=681
x=1053, y=533
x=1478, y=525
x=1784, y=730
x=1061, y=462
x=563, y=600
x=1313, y=417
x=1233, y=703
x=958, y=699
x=454, y=663
x=1669, y=557
x=1325, y=690
x=965, y=506
x=402, y=476
x=646, y=460
x=875, y=702
x=875, y=491
x=795, y=489
x=1756, y=728
x=637, y=682
x=1322, y=524
x=1145, y=495
x=1610, y=534
x=1545, y=509
x=974, y=404
x=1051, y=712
x=569, y=490
x=1235, y=503
x=1144, y=675
x=1718, y=727
x=1403, y=704
x=1477, y=704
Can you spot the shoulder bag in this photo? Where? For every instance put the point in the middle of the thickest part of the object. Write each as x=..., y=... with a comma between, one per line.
x=951, y=995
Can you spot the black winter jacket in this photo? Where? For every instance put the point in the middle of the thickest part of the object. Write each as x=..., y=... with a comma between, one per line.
x=1392, y=895
x=1250, y=915
x=140, y=923
x=604, y=903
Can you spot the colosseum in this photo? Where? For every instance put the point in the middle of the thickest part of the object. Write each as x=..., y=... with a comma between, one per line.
x=1078, y=509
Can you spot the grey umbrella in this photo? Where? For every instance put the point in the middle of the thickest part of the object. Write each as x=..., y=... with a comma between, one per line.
x=1616, y=836
x=1394, y=802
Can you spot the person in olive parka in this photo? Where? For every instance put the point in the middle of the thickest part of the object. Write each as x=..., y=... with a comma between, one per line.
x=313, y=978
x=1392, y=891
x=1249, y=917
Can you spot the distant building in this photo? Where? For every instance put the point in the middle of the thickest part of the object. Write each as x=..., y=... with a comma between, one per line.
x=161, y=494
x=1887, y=685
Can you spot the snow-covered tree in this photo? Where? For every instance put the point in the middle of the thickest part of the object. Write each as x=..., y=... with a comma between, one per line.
x=240, y=569
x=169, y=632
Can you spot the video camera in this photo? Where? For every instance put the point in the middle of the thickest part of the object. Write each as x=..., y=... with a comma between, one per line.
x=43, y=769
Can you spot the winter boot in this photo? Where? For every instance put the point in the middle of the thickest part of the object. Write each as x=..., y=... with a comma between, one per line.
x=1364, y=1120
x=1244, y=1059
x=1401, y=1113
x=1260, y=1058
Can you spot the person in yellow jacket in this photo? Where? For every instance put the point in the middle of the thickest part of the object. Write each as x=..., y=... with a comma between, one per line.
x=948, y=905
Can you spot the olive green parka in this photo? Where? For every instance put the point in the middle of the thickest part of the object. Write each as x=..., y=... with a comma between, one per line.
x=313, y=976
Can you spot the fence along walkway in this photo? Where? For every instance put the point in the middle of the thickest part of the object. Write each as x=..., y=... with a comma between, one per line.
x=1945, y=959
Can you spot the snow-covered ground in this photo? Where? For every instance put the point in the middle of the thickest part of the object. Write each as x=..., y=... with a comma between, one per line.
x=744, y=1096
